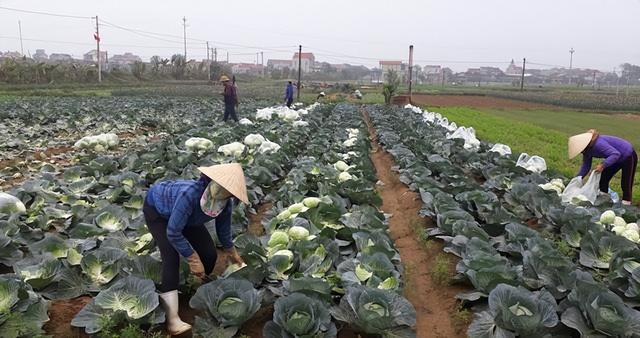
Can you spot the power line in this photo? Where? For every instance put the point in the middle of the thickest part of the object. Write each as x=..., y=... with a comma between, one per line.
x=46, y=13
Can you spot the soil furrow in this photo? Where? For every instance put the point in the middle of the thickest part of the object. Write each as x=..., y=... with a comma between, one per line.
x=435, y=302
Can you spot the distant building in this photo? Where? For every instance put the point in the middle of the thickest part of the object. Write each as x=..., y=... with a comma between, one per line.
x=513, y=70
x=60, y=58
x=397, y=66
x=246, y=68
x=10, y=55
x=274, y=64
x=307, y=61
x=41, y=56
x=92, y=56
x=124, y=60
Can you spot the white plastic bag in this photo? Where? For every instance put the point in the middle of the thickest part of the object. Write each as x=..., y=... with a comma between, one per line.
x=534, y=163
x=501, y=149
x=469, y=137
x=576, y=191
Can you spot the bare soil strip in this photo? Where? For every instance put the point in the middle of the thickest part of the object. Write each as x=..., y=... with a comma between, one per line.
x=61, y=312
x=435, y=303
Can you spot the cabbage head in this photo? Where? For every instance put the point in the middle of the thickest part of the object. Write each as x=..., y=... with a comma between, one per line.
x=298, y=315
x=225, y=304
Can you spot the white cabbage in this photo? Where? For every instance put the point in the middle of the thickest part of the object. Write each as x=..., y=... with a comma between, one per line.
x=254, y=140
x=232, y=149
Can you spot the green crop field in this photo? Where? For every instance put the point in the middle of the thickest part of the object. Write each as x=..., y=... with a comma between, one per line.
x=545, y=132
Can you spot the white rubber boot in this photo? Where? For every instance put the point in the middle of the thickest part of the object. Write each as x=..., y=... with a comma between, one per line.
x=170, y=302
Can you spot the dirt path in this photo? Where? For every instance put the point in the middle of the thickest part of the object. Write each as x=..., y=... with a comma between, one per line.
x=475, y=101
x=61, y=312
x=435, y=303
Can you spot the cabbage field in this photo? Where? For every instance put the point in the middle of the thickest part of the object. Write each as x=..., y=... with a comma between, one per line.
x=320, y=260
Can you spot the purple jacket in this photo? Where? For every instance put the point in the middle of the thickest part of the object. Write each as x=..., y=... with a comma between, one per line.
x=613, y=149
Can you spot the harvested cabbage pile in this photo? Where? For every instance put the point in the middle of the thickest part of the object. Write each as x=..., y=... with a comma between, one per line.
x=254, y=140
x=556, y=185
x=234, y=149
x=198, y=144
x=98, y=143
x=620, y=227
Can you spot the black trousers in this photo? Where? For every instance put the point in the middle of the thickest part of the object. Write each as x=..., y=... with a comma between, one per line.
x=628, y=168
x=199, y=238
x=230, y=110
x=289, y=102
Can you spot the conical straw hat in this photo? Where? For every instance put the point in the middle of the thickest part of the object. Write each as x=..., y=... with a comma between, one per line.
x=578, y=143
x=229, y=176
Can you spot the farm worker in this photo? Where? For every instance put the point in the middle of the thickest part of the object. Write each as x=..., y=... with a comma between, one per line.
x=320, y=96
x=288, y=96
x=618, y=155
x=230, y=94
x=175, y=213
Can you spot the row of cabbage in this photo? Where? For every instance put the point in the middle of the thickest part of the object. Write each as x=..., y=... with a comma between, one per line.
x=569, y=276
x=325, y=261
x=80, y=230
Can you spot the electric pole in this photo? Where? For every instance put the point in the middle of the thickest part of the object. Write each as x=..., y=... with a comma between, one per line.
x=184, y=29
x=299, y=69
x=208, y=59
x=215, y=55
x=410, y=71
x=227, y=57
x=98, y=58
x=262, y=62
x=20, y=31
x=571, y=51
x=524, y=65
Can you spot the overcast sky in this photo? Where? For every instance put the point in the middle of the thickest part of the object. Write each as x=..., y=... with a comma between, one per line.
x=456, y=33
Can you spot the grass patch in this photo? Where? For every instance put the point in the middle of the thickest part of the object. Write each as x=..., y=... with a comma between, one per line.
x=545, y=133
x=441, y=273
x=461, y=318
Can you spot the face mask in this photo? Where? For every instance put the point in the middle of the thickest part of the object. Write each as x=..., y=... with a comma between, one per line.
x=214, y=199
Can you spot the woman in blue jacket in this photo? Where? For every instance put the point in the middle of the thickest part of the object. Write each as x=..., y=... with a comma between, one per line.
x=175, y=213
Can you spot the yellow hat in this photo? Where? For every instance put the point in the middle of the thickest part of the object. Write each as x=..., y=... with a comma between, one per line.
x=578, y=143
x=229, y=176
x=224, y=78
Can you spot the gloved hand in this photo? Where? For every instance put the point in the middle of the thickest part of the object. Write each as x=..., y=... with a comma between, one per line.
x=195, y=265
x=234, y=257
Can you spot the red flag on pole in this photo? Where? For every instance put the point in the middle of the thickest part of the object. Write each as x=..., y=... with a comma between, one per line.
x=96, y=37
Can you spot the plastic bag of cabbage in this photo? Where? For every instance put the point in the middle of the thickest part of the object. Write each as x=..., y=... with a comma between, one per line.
x=198, y=144
x=98, y=143
x=10, y=204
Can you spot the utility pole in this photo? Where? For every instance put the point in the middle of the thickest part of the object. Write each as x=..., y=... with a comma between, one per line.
x=227, y=57
x=410, y=71
x=97, y=37
x=571, y=51
x=208, y=59
x=20, y=31
x=184, y=29
x=299, y=70
x=594, y=79
x=262, y=62
x=524, y=65
x=215, y=55
x=442, y=76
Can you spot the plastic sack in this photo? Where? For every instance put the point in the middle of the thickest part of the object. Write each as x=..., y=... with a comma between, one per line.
x=469, y=137
x=534, y=163
x=578, y=192
x=245, y=122
x=615, y=198
x=501, y=149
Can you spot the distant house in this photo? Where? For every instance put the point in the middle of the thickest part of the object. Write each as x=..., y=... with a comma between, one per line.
x=396, y=66
x=60, y=58
x=92, y=56
x=125, y=60
x=246, y=68
x=41, y=56
x=275, y=64
x=307, y=61
x=513, y=70
x=10, y=55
